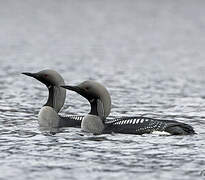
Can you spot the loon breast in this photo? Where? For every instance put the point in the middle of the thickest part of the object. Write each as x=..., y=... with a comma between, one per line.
x=92, y=124
x=143, y=125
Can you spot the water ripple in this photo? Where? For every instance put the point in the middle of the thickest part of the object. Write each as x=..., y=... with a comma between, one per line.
x=149, y=55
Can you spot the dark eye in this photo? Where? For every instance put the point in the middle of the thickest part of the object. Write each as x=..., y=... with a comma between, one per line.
x=46, y=75
x=87, y=88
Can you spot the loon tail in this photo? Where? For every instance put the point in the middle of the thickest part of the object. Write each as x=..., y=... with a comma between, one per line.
x=179, y=129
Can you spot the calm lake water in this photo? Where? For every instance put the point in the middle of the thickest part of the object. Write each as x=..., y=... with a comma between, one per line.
x=149, y=54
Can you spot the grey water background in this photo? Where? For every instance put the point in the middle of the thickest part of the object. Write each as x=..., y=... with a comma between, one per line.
x=149, y=54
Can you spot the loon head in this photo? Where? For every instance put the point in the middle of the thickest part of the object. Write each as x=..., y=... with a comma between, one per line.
x=48, y=77
x=53, y=81
x=97, y=95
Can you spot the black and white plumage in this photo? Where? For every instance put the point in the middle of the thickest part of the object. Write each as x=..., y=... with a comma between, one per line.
x=144, y=125
x=100, y=102
x=48, y=116
x=70, y=121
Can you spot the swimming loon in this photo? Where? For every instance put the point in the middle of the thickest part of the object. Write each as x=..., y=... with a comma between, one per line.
x=48, y=116
x=100, y=102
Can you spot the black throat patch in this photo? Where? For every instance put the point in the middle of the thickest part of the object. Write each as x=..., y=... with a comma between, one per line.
x=97, y=108
x=50, y=97
x=93, y=110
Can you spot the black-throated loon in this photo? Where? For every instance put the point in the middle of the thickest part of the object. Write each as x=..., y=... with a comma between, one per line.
x=48, y=116
x=100, y=102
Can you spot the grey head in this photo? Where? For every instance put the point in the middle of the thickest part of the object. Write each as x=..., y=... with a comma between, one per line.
x=53, y=81
x=97, y=95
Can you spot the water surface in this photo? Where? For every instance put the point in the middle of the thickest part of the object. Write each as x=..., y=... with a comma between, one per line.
x=149, y=54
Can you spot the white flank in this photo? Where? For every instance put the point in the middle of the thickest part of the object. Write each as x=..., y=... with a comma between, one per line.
x=161, y=133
